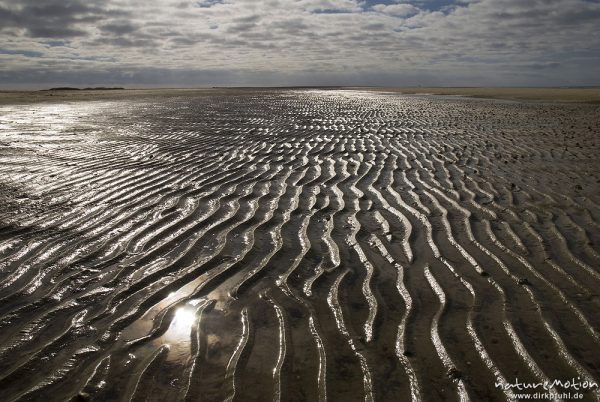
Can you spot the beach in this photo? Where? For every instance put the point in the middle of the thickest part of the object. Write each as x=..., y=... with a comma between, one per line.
x=318, y=244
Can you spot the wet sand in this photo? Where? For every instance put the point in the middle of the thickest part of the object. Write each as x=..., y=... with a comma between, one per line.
x=584, y=95
x=296, y=245
x=28, y=97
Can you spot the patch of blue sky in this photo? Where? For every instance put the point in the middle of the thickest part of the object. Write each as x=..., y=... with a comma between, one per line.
x=207, y=3
x=332, y=11
x=26, y=53
x=56, y=43
x=431, y=5
x=93, y=58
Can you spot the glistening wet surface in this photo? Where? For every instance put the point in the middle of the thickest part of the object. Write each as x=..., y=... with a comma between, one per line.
x=303, y=245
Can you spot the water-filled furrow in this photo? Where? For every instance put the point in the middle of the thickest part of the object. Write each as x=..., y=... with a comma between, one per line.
x=45, y=332
x=563, y=253
x=578, y=236
x=334, y=304
x=565, y=281
x=67, y=253
x=540, y=301
x=134, y=284
x=317, y=377
x=232, y=365
x=188, y=226
x=384, y=181
x=400, y=338
x=282, y=348
x=48, y=349
x=485, y=295
x=189, y=257
x=269, y=228
x=437, y=341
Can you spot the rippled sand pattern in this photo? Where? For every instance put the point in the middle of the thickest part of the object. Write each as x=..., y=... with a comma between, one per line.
x=297, y=246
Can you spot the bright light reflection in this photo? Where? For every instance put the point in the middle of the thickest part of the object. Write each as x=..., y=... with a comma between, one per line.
x=184, y=319
x=179, y=335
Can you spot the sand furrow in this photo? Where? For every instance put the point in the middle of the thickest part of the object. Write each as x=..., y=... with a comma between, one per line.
x=297, y=245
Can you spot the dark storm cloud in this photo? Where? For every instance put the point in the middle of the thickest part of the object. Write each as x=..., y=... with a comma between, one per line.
x=377, y=26
x=128, y=42
x=243, y=24
x=47, y=31
x=240, y=27
x=290, y=25
x=119, y=28
x=249, y=19
x=183, y=41
x=54, y=18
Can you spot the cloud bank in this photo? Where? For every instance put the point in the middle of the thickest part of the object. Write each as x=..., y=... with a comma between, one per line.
x=298, y=42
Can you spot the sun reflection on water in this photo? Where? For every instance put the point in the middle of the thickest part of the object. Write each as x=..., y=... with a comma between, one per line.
x=180, y=332
x=184, y=320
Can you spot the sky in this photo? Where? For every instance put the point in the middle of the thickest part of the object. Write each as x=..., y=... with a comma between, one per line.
x=197, y=43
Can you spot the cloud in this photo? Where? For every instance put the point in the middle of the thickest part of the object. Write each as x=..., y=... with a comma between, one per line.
x=119, y=28
x=54, y=18
x=397, y=10
x=330, y=6
x=499, y=42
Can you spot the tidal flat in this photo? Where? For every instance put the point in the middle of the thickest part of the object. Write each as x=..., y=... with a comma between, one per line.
x=296, y=245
